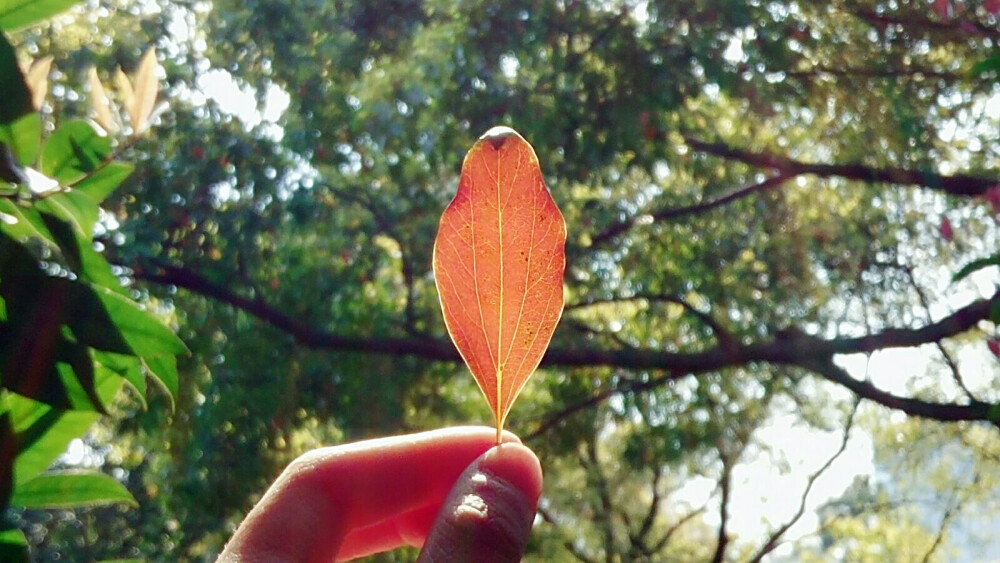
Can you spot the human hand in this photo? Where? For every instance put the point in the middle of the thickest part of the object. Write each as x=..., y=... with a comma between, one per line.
x=451, y=490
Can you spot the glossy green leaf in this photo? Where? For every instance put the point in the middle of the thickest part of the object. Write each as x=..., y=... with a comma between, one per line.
x=103, y=181
x=32, y=344
x=69, y=490
x=37, y=359
x=23, y=223
x=43, y=433
x=13, y=546
x=19, y=13
x=164, y=369
x=81, y=309
x=80, y=256
x=78, y=381
x=124, y=367
x=23, y=136
x=73, y=150
x=73, y=207
x=50, y=369
x=143, y=332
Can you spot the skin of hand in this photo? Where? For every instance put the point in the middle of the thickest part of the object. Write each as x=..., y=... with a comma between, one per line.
x=453, y=490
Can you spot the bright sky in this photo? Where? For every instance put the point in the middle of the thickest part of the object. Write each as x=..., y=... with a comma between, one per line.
x=240, y=101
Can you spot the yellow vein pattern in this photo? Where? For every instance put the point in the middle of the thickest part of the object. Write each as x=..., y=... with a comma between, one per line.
x=498, y=262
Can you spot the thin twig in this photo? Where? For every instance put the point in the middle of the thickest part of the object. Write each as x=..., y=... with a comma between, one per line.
x=775, y=537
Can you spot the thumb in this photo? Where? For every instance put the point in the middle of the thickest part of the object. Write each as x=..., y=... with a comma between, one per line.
x=488, y=513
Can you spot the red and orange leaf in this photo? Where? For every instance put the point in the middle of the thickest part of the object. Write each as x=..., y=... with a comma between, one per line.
x=499, y=259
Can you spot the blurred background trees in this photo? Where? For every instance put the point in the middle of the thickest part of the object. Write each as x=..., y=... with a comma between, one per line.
x=783, y=239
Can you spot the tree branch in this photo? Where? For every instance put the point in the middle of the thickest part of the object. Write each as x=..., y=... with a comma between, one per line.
x=303, y=333
x=596, y=480
x=956, y=374
x=963, y=26
x=386, y=225
x=618, y=229
x=673, y=529
x=893, y=73
x=720, y=333
x=790, y=347
x=957, y=184
x=775, y=537
x=946, y=412
x=639, y=538
x=725, y=482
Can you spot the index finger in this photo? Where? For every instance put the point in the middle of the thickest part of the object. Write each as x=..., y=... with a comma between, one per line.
x=390, y=487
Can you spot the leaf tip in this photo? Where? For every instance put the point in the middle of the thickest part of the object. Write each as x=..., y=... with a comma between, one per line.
x=499, y=134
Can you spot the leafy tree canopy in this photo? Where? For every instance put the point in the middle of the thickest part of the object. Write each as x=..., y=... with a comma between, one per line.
x=756, y=194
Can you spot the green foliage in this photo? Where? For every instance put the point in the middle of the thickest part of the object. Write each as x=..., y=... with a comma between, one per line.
x=71, y=335
x=19, y=13
x=265, y=242
x=61, y=490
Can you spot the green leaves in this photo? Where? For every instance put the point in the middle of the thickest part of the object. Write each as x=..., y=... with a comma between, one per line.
x=99, y=184
x=13, y=546
x=68, y=490
x=73, y=151
x=71, y=336
x=19, y=13
x=54, y=325
x=43, y=433
x=22, y=135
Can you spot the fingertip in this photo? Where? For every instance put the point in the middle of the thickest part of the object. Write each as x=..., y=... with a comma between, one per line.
x=509, y=437
x=489, y=513
x=517, y=465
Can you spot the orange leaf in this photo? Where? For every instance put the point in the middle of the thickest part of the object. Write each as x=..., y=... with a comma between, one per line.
x=499, y=258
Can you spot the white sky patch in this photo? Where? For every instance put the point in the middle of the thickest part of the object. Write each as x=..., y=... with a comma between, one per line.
x=39, y=183
x=80, y=454
x=240, y=101
x=764, y=497
x=509, y=65
x=734, y=51
x=992, y=107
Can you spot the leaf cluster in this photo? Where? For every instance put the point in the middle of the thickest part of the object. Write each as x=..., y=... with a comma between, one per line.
x=71, y=334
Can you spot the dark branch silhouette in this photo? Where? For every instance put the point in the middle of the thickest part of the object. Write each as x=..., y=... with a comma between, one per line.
x=957, y=184
x=725, y=485
x=878, y=73
x=789, y=347
x=945, y=27
x=721, y=334
x=785, y=169
x=673, y=213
